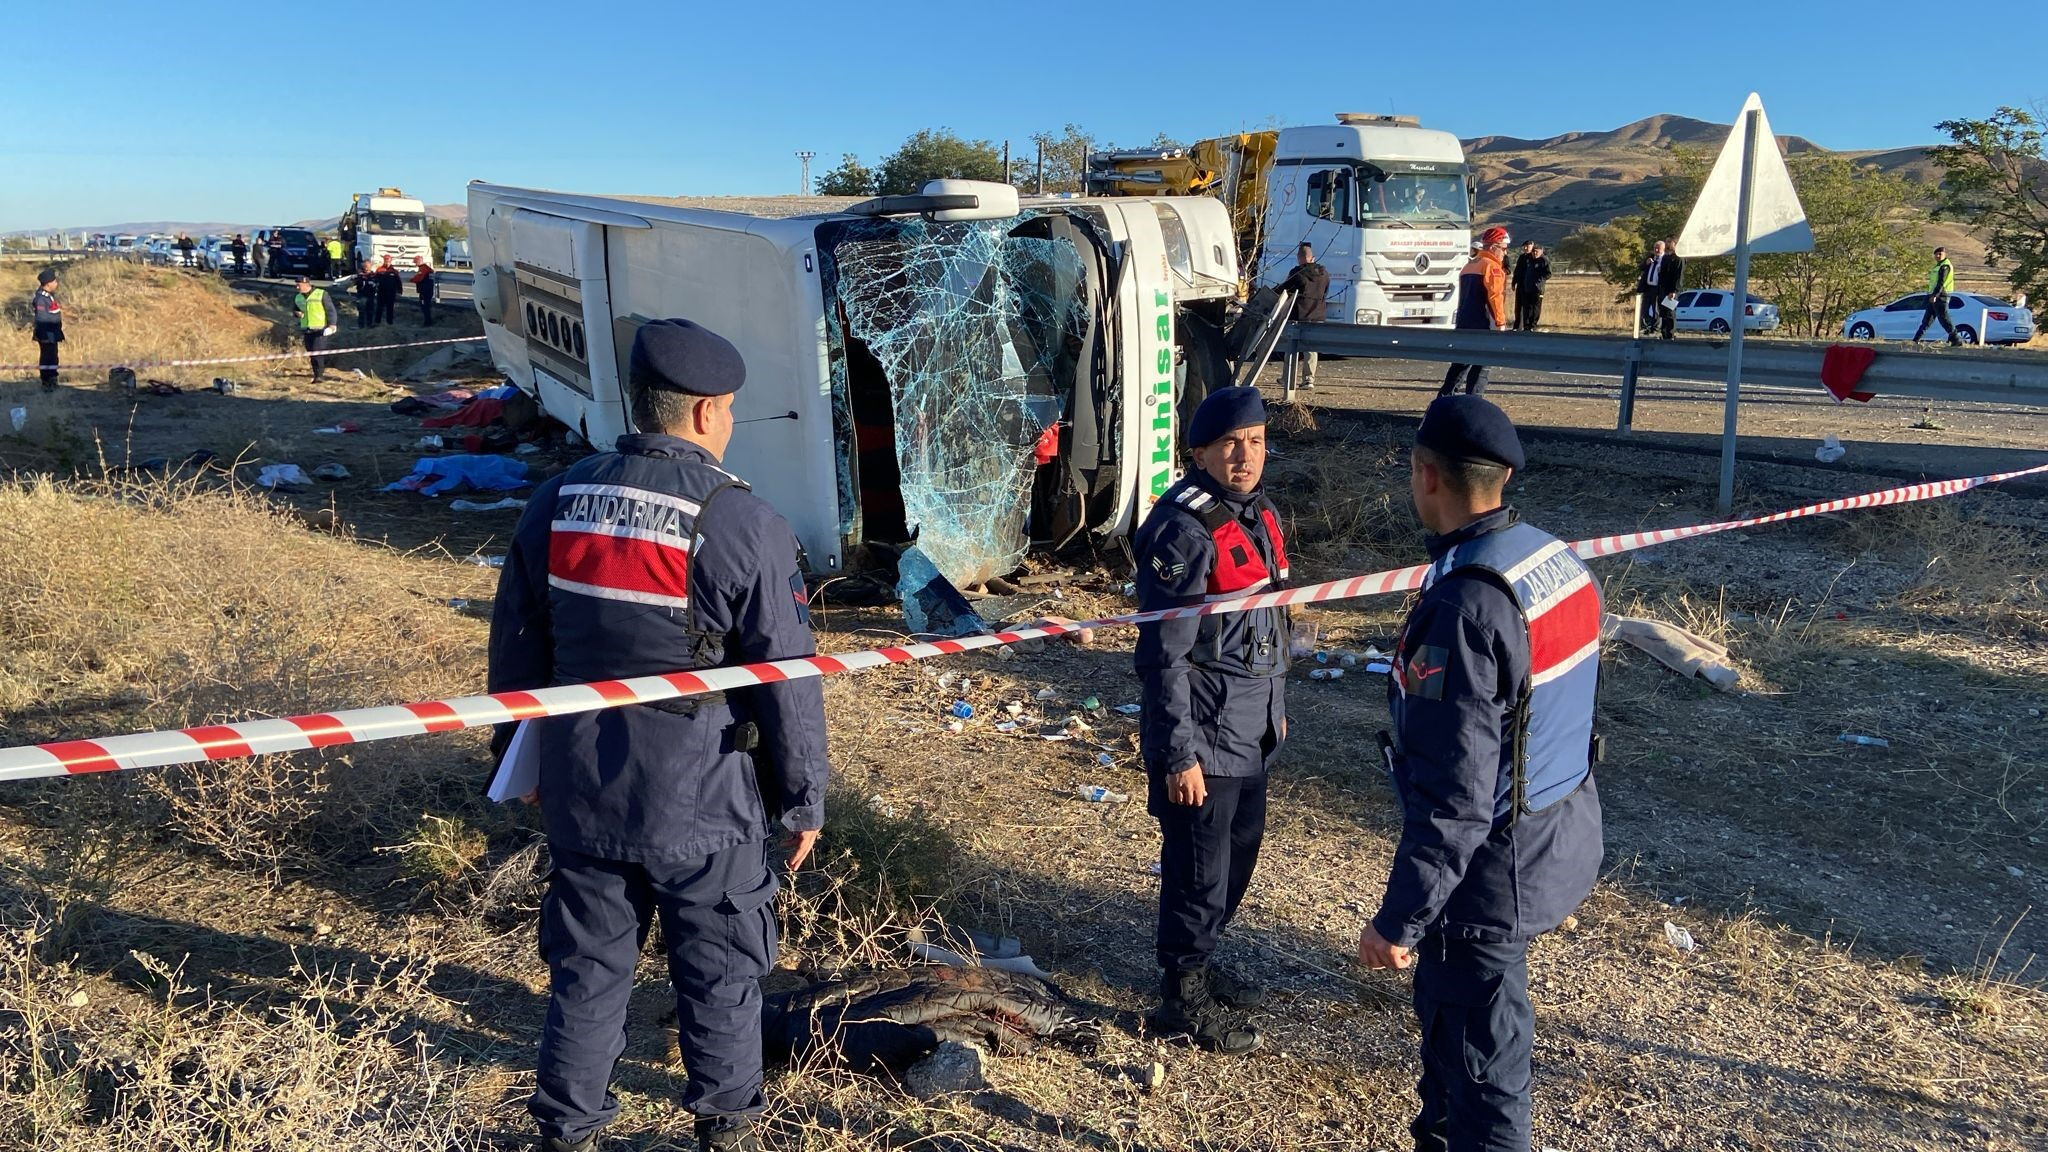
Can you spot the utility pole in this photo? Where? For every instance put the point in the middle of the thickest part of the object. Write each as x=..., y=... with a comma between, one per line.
x=1006, y=161
x=1041, y=167
x=805, y=188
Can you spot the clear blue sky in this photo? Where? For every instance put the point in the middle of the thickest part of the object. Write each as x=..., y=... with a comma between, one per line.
x=121, y=111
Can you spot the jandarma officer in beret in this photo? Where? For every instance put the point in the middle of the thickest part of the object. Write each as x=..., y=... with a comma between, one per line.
x=651, y=559
x=1215, y=708
x=1492, y=758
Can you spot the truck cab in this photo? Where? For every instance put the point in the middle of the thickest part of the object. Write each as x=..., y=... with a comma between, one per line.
x=959, y=368
x=384, y=223
x=1385, y=203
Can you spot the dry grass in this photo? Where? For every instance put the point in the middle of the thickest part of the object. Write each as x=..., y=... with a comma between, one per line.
x=104, y=638
x=116, y=311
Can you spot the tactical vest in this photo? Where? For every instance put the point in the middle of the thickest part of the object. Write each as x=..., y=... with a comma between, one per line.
x=620, y=546
x=1239, y=569
x=1262, y=634
x=1560, y=603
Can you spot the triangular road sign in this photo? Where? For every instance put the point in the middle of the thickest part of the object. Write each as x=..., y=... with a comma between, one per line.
x=1776, y=221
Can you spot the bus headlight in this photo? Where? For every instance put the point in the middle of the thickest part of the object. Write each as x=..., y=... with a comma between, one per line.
x=1366, y=316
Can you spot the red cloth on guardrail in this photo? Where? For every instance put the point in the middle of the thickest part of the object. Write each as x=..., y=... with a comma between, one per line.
x=1842, y=368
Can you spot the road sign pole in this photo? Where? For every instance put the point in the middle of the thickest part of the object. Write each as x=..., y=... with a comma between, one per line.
x=1736, y=313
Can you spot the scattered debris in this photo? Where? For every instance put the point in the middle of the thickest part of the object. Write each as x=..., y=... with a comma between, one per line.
x=1830, y=450
x=509, y=503
x=1097, y=794
x=432, y=442
x=223, y=385
x=2015, y=871
x=338, y=428
x=330, y=471
x=1866, y=741
x=1675, y=648
x=482, y=561
x=1326, y=673
x=433, y=475
x=1679, y=938
x=1048, y=694
x=951, y=1069
x=1091, y=704
x=962, y=710
x=1154, y=1077
x=78, y=999
x=1130, y=709
x=283, y=478
x=18, y=417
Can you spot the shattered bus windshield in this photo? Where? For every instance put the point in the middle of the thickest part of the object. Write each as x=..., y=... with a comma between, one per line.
x=951, y=359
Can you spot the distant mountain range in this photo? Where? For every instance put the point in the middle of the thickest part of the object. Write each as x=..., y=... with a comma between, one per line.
x=1542, y=189
x=197, y=228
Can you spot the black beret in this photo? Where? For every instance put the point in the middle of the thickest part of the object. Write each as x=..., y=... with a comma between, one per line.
x=678, y=356
x=1467, y=427
x=1225, y=411
x=46, y=276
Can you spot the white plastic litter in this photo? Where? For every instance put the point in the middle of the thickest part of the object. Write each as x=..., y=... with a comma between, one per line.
x=494, y=506
x=1830, y=450
x=1679, y=938
x=18, y=417
x=275, y=476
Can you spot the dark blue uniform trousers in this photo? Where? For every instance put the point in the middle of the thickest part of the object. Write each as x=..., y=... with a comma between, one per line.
x=1472, y=1000
x=718, y=920
x=1206, y=858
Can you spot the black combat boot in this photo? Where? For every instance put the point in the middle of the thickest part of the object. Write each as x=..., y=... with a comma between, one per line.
x=727, y=1134
x=557, y=1144
x=1186, y=1008
x=1233, y=991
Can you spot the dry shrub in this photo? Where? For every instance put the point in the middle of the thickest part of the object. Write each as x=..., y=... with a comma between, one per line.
x=169, y=606
x=82, y=1068
x=1335, y=521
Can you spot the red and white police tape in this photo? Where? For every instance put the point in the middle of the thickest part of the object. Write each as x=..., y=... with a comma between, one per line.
x=294, y=354
x=361, y=725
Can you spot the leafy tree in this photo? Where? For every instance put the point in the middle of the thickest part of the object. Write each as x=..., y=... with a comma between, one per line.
x=1996, y=180
x=851, y=178
x=1066, y=158
x=1863, y=227
x=440, y=232
x=1614, y=250
x=933, y=155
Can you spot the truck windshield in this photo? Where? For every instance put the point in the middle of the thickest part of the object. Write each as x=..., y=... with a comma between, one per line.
x=400, y=223
x=1418, y=198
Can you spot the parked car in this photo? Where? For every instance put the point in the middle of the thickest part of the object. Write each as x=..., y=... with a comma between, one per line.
x=1708, y=310
x=160, y=250
x=125, y=247
x=300, y=251
x=1978, y=319
x=217, y=254
x=456, y=254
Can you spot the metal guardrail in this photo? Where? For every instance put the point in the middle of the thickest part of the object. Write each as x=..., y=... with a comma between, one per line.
x=1976, y=376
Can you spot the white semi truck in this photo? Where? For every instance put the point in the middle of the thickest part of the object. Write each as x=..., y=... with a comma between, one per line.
x=956, y=368
x=383, y=223
x=1385, y=202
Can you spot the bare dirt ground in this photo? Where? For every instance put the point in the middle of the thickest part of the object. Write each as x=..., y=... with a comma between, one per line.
x=338, y=951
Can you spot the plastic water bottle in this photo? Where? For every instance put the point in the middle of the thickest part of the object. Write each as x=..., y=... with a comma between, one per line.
x=1326, y=674
x=1866, y=741
x=1097, y=794
x=962, y=710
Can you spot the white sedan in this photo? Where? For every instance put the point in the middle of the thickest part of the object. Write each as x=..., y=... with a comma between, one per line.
x=1707, y=310
x=1978, y=319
